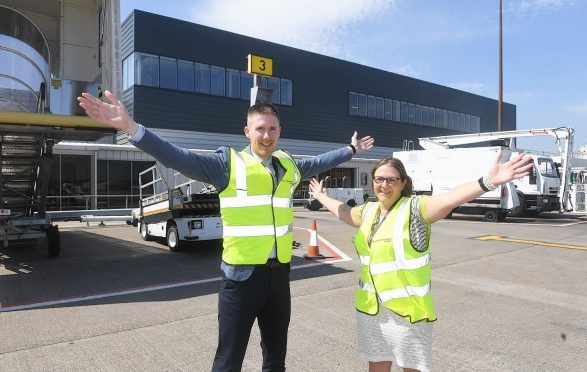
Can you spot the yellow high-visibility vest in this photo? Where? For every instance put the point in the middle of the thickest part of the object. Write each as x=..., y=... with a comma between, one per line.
x=392, y=271
x=254, y=216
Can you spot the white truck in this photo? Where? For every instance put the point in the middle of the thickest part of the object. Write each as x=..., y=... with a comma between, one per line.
x=442, y=165
x=440, y=170
x=351, y=196
x=176, y=214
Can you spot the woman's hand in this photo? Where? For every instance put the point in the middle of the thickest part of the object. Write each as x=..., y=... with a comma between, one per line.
x=316, y=187
x=517, y=167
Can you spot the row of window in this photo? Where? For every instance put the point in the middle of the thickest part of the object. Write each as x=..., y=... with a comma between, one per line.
x=393, y=110
x=71, y=179
x=170, y=73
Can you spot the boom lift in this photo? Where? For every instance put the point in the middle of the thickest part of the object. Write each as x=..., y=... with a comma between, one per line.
x=563, y=139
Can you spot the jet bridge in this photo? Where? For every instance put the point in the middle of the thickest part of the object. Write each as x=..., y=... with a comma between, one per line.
x=26, y=149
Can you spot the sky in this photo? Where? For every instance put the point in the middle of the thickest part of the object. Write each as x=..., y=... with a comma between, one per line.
x=452, y=43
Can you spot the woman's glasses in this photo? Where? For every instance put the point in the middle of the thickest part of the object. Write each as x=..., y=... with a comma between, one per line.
x=390, y=180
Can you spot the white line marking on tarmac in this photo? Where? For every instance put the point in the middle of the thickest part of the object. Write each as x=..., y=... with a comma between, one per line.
x=519, y=223
x=339, y=257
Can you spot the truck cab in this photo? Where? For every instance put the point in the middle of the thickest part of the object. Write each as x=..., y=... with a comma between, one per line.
x=538, y=192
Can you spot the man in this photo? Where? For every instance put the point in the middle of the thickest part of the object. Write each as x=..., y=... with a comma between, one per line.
x=255, y=188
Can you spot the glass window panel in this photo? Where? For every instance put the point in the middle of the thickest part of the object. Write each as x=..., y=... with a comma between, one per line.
x=467, y=123
x=168, y=73
x=233, y=83
x=444, y=119
x=371, y=106
x=202, y=78
x=353, y=104
x=438, y=117
x=217, y=80
x=286, y=92
x=431, y=116
x=404, y=112
x=274, y=85
x=147, y=69
x=380, y=108
x=418, y=114
x=451, y=120
x=411, y=113
x=425, y=115
x=362, y=105
x=185, y=73
x=388, y=109
x=76, y=181
x=396, y=110
x=462, y=122
x=246, y=85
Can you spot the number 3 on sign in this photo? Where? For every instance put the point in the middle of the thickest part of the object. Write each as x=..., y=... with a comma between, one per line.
x=260, y=65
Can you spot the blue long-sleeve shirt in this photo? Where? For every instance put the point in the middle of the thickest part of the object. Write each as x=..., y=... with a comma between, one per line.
x=213, y=168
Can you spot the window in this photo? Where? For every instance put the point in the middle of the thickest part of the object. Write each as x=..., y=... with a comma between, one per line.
x=185, y=76
x=274, y=84
x=217, y=80
x=396, y=110
x=411, y=113
x=418, y=114
x=168, y=73
x=202, y=78
x=404, y=112
x=128, y=72
x=286, y=92
x=233, y=83
x=147, y=69
x=118, y=183
x=70, y=183
x=246, y=85
x=388, y=109
x=380, y=108
x=362, y=105
x=353, y=104
x=371, y=107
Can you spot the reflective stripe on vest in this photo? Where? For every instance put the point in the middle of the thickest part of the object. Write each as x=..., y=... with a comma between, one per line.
x=255, y=217
x=392, y=271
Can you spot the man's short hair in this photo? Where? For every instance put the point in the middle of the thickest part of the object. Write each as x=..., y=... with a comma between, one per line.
x=263, y=108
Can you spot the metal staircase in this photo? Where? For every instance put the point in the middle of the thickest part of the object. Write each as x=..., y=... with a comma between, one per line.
x=26, y=149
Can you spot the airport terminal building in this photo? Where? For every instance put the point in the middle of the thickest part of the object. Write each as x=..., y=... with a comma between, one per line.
x=190, y=84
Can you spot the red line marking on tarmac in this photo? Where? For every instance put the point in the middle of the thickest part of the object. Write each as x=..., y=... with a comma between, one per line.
x=337, y=256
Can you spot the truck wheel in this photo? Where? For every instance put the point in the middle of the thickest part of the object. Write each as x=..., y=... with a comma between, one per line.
x=351, y=203
x=145, y=232
x=173, y=241
x=313, y=205
x=490, y=216
x=53, y=241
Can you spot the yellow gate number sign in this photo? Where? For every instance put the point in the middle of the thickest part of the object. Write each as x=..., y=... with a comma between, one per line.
x=260, y=65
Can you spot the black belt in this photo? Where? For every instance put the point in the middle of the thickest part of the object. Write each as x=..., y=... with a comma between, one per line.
x=273, y=263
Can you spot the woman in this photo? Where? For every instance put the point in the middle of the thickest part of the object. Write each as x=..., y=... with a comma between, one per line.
x=394, y=303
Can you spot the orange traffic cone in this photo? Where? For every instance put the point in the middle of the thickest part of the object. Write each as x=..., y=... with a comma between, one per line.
x=313, y=249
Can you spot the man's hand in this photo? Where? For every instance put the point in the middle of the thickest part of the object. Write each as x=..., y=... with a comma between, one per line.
x=363, y=144
x=113, y=114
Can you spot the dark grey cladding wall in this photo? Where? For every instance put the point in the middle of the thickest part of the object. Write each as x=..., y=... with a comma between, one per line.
x=321, y=86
